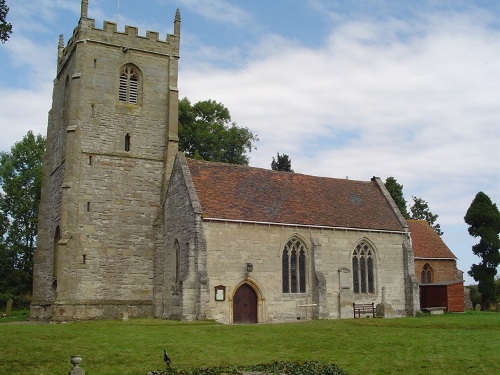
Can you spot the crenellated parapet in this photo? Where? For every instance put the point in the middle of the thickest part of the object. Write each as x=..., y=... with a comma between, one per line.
x=128, y=40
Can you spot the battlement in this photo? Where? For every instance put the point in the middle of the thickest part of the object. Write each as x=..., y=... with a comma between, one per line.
x=129, y=39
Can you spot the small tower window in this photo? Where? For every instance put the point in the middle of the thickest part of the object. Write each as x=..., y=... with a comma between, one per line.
x=129, y=85
x=127, y=142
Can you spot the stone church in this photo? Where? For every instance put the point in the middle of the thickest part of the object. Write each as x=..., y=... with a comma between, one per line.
x=129, y=226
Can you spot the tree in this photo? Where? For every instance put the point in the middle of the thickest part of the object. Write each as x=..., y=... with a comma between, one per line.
x=5, y=27
x=206, y=132
x=420, y=211
x=20, y=183
x=282, y=163
x=396, y=191
x=483, y=219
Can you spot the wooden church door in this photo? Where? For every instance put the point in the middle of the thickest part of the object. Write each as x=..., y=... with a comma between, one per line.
x=245, y=305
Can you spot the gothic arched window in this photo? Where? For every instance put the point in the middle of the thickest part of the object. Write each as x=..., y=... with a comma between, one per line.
x=128, y=91
x=294, y=267
x=426, y=275
x=363, y=269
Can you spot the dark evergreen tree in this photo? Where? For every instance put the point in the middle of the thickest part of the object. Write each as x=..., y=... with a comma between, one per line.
x=483, y=219
x=420, y=211
x=20, y=183
x=5, y=27
x=206, y=132
x=396, y=191
x=281, y=163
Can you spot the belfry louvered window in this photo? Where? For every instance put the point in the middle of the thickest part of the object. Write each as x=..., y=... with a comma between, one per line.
x=128, y=91
x=362, y=269
x=294, y=267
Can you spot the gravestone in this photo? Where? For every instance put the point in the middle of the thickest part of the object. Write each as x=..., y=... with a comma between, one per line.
x=478, y=307
x=8, y=309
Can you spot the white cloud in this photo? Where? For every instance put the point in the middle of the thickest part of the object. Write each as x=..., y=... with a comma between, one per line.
x=415, y=101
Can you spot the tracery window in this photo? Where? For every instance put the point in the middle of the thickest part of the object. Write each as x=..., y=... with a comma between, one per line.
x=294, y=266
x=128, y=91
x=363, y=269
x=426, y=275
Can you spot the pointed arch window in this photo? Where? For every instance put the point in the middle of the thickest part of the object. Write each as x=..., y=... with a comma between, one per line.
x=128, y=91
x=426, y=275
x=294, y=267
x=363, y=269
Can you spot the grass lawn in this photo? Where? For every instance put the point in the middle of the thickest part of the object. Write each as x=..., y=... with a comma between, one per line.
x=440, y=344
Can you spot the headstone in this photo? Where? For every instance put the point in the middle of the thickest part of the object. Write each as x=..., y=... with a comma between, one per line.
x=124, y=316
x=8, y=309
x=467, y=301
x=478, y=307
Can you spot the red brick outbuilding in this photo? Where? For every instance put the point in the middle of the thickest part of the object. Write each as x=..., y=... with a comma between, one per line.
x=440, y=282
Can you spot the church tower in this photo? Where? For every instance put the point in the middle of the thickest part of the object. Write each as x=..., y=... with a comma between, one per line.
x=111, y=143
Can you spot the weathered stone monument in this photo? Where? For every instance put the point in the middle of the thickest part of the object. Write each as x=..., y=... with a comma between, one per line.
x=383, y=309
x=8, y=308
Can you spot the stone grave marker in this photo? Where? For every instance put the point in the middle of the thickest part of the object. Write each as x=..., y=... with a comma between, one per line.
x=8, y=309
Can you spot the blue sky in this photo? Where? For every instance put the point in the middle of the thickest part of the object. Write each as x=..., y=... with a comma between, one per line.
x=355, y=89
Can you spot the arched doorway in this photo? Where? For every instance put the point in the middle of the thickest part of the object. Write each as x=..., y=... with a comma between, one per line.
x=245, y=305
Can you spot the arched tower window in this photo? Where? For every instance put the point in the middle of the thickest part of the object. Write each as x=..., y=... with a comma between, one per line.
x=363, y=264
x=294, y=267
x=426, y=275
x=128, y=91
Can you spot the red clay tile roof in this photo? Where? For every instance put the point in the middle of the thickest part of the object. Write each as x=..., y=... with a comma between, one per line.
x=426, y=243
x=235, y=192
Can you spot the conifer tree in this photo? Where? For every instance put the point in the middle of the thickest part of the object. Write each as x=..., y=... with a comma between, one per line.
x=5, y=27
x=483, y=219
x=282, y=163
x=420, y=211
x=396, y=191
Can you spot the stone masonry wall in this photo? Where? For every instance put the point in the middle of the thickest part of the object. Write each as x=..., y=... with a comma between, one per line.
x=232, y=245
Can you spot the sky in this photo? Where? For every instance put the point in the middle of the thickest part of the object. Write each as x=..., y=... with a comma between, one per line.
x=345, y=88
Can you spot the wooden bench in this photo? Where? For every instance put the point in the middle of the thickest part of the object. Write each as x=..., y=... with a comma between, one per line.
x=363, y=308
